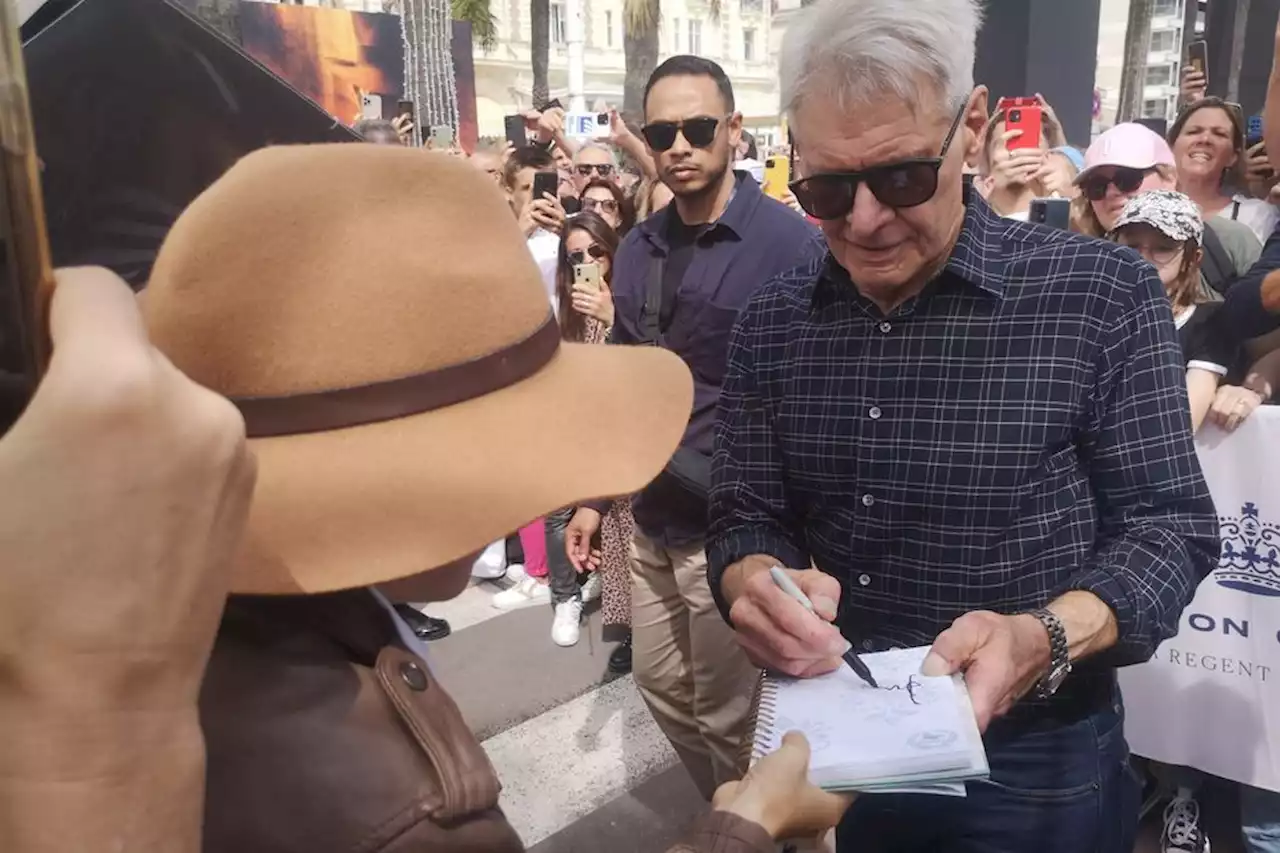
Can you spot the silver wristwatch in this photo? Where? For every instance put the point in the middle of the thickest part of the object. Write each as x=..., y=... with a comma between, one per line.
x=1059, y=659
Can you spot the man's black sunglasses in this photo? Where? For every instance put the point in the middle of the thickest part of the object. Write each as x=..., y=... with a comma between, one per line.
x=604, y=170
x=597, y=253
x=1126, y=179
x=906, y=183
x=699, y=132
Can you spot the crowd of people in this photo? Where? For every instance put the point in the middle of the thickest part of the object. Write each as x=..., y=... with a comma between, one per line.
x=953, y=427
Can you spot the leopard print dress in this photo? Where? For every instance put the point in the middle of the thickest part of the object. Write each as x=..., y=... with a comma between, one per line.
x=616, y=530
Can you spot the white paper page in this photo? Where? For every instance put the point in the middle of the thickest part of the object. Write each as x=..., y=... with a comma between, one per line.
x=907, y=725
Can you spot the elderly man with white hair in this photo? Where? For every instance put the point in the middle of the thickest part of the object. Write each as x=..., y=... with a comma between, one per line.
x=974, y=430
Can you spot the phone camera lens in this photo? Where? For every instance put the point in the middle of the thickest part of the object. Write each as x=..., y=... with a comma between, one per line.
x=1015, y=115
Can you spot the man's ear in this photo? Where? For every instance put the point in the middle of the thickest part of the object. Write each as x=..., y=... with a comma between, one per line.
x=735, y=132
x=975, y=120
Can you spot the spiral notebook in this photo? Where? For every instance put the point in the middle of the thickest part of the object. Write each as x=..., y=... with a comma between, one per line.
x=912, y=734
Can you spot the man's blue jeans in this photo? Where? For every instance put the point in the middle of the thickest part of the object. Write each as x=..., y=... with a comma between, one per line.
x=1054, y=788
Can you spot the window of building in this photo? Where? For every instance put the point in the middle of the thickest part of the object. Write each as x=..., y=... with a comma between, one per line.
x=1166, y=7
x=749, y=44
x=608, y=28
x=559, y=29
x=1155, y=108
x=1159, y=75
x=753, y=5
x=695, y=38
x=1164, y=40
x=675, y=35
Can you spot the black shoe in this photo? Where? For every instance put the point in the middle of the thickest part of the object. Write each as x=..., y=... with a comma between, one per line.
x=620, y=659
x=423, y=626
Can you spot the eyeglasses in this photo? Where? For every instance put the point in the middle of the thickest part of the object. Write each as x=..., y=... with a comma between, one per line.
x=597, y=253
x=608, y=205
x=906, y=183
x=604, y=170
x=1127, y=181
x=699, y=132
x=1157, y=255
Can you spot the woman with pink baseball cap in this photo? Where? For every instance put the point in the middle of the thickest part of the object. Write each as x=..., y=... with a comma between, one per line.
x=1126, y=160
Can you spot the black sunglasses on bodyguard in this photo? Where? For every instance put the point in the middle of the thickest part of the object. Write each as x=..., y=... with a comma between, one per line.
x=906, y=183
x=699, y=132
x=1126, y=179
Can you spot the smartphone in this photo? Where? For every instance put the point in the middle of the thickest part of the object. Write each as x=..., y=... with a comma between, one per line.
x=553, y=104
x=517, y=135
x=587, y=125
x=404, y=108
x=1253, y=132
x=370, y=105
x=545, y=183
x=1054, y=212
x=587, y=276
x=777, y=174
x=441, y=137
x=1198, y=57
x=25, y=264
x=1023, y=114
x=1157, y=125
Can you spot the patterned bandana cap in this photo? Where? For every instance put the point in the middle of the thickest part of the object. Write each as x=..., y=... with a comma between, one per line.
x=1171, y=213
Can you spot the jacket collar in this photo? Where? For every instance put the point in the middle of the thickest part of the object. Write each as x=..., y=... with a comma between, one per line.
x=735, y=219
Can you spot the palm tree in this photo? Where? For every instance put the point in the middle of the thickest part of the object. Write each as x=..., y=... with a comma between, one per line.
x=478, y=13
x=1137, y=44
x=641, y=19
x=540, y=49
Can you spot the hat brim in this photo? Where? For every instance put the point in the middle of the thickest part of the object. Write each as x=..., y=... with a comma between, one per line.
x=384, y=501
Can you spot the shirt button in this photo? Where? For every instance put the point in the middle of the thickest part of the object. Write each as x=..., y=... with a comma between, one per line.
x=413, y=676
x=865, y=580
x=875, y=413
x=885, y=327
x=867, y=645
x=868, y=500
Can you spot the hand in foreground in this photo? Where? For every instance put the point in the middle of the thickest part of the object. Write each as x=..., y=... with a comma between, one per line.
x=1021, y=167
x=550, y=126
x=775, y=630
x=405, y=127
x=547, y=213
x=1002, y=658
x=124, y=490
x=777, y=795
x=584, y=525
x=1192, y=86
x=594, y=302
x=1232, y=405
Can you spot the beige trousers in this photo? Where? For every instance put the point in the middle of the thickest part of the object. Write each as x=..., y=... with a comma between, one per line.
x=689, y=668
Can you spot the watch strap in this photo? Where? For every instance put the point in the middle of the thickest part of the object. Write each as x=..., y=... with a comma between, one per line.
x=1059, y=653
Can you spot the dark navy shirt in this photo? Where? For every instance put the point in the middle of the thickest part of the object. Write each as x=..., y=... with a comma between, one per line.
x=1018, y=430
x=1242, y=313
x=756, y=239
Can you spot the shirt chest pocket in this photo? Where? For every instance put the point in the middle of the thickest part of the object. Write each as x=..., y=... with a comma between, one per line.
x=701, y=336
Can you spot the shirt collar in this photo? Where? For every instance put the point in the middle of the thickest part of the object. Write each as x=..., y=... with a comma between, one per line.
x=737, y=215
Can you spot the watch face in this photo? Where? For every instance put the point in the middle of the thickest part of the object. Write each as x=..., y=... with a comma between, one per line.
x=1054, y=679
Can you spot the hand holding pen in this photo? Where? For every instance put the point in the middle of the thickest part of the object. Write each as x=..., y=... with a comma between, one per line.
x=775, y=629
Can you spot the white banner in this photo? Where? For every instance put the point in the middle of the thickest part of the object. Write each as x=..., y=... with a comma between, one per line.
x=1210, y=698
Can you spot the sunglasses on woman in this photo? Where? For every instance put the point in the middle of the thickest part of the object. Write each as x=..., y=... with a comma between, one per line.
x=597, y=253
x=1127, y=181
x=699, y=132
x=603, y=170
x=906, y=183
x=608, y=205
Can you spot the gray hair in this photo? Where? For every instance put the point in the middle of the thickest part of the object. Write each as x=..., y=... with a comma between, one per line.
x=856, y=50
x=608, y=149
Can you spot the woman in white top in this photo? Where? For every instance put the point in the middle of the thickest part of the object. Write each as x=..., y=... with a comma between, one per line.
x=1208, y=146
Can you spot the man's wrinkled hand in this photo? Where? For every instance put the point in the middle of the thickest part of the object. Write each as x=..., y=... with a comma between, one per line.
x=1002, y=658
x=775, y=630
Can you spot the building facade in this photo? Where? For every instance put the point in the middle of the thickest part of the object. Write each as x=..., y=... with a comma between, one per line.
x=1164, y=58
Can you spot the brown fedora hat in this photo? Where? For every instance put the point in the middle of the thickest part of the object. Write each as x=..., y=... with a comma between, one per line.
x=376, y=316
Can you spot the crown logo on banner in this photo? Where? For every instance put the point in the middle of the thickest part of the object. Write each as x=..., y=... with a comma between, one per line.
x=1250, y=559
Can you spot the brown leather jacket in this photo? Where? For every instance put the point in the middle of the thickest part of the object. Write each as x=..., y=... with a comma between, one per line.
x=325, y=734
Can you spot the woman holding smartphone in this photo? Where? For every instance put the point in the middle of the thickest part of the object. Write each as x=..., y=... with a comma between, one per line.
x=586, y=314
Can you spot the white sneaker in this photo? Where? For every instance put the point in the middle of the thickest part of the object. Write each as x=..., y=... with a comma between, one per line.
x=591, y=589
x=492, y=562
x=567, y=626
x=1182, y=833
x=527, y=593
x=515, y=573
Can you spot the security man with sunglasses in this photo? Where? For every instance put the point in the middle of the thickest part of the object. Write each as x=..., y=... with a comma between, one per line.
x=957, y=431
x=680, y=280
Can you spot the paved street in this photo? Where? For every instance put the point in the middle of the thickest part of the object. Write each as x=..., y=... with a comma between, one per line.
x=583, y=766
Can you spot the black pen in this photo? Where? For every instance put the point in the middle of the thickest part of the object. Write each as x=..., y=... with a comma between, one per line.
x=784, y=583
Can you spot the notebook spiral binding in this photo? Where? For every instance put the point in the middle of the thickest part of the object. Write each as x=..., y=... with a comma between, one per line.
x=765, y=716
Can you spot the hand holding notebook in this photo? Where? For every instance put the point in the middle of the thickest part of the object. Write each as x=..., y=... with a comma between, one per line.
x=910, y=733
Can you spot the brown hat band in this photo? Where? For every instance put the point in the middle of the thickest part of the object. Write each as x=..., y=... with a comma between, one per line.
x=397, y=398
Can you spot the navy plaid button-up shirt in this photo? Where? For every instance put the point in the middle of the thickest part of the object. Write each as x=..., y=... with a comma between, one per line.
x=1017, y=430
